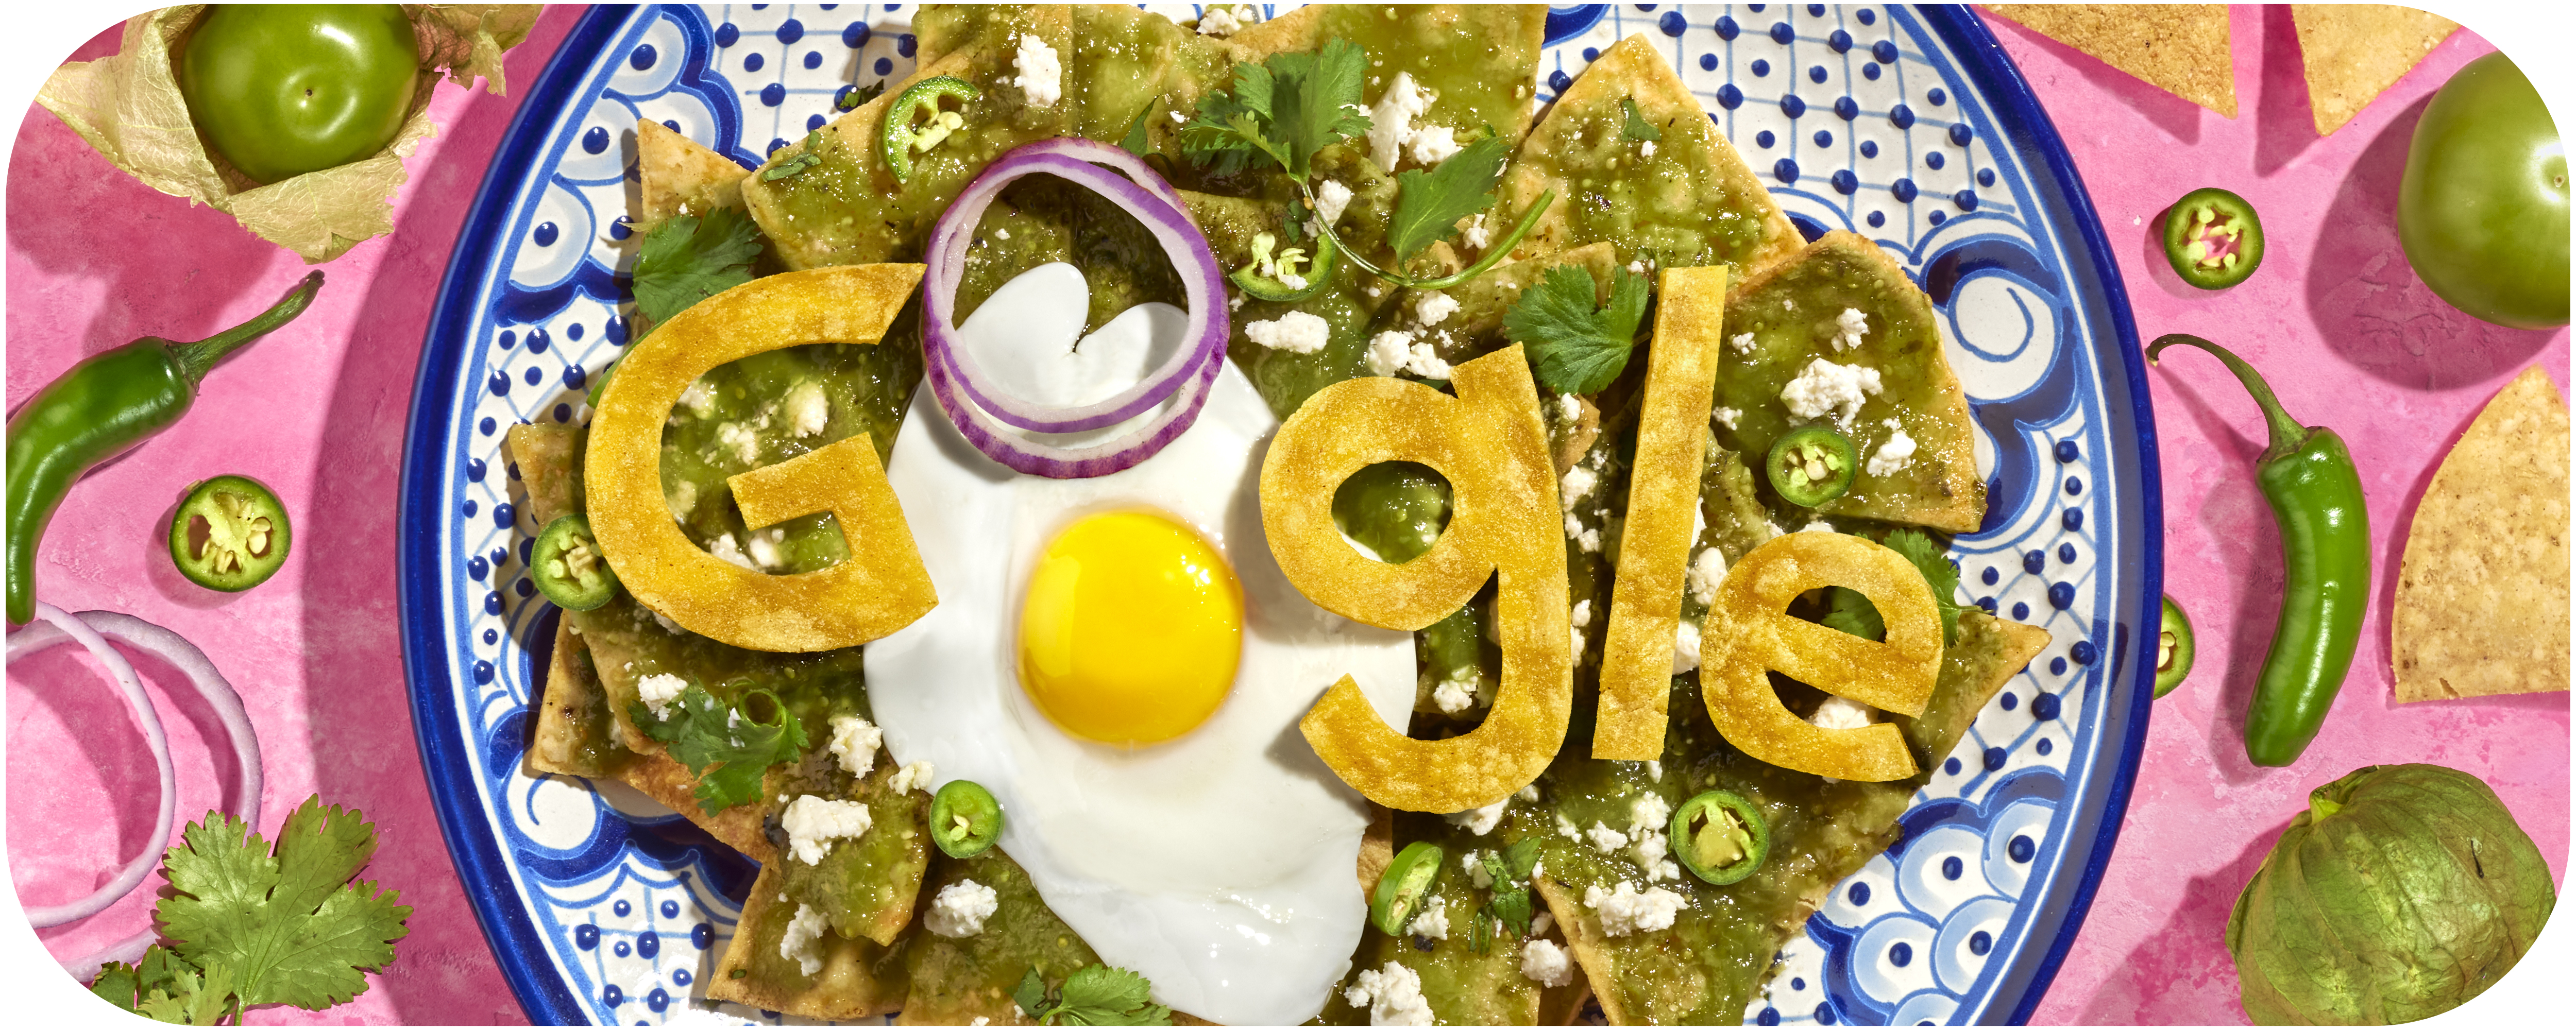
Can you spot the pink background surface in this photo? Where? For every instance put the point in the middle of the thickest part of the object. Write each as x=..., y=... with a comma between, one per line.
x=2336, y=318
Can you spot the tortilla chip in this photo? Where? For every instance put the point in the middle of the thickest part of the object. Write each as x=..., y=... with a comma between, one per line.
x=2482, y=599
x=2353, y=52
x=680, y=177
x=2179, y=48
x=859, y=978
x=1478, y=59
x=1693, y=203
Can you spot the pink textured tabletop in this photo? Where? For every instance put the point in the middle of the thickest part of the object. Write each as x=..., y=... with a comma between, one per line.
x=2346, y=332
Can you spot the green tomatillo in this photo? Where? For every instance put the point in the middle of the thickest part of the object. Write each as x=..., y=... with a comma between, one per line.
x=285, y=89
x=2482, y=211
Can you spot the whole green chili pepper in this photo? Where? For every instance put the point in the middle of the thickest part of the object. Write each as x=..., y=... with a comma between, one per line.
x=2308, y=477
x=105, y=405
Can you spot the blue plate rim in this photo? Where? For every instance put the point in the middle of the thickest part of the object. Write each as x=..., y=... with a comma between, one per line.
x=507, y=927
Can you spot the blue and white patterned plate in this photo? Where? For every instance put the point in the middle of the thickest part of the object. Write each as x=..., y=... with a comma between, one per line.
x=1906, y=125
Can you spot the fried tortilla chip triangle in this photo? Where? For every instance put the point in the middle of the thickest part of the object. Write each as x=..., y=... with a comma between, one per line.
x=1681, y=201
x=1478, y=60
x=2354, y=52
x=2482, y=600
x=2178, y=48
x=680, y=177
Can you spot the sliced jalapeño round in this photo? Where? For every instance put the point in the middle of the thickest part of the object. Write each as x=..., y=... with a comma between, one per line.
x=568, y=567
x=230, y=534
x=1406, y=882
x=1295, y=272
x=964, y=819
x=2173, y=649
x=917, y=121
x=1720, y=837
x=2213, y=238
x=1810, y=465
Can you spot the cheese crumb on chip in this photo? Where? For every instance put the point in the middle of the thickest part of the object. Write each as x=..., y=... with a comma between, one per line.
x=1624, y=911
x=658, y=691
x=915, y=776
x=1041, y=73
x=1295, y=332
x=798, y=944
x=1392, y=995
x=854, y=744
x=813, y=823
x=960, y=909
x=1546, y=963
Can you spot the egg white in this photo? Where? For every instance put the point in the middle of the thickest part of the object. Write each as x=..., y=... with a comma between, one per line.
x=1221, y=864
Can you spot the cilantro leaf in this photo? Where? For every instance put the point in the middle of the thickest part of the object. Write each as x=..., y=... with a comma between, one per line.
x=1431, y=203
x=163, y=986
x=859, y=96
x=1850, y=611
x=1137, y=142
x=1512, y=908
x=1095, y=995
x=1284, y=109
x=1937, y=571
x=704, y=732
x=1573, y=346
x=1480, y=937
x=688, y=258
x=285, y=925
x=1636, y=127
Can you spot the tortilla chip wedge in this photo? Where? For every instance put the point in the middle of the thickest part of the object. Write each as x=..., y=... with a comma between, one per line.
x=2178, y=48
x=679, y=177
x=1691, y=203
x=1478, y=59
x=2354, y=52
x=2482, y=599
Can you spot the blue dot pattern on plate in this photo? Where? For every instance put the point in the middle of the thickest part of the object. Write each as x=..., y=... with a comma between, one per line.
x=637, y=905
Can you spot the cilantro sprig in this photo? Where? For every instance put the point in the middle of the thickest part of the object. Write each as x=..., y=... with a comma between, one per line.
x=1574, y=346
x=1633, y=124
x=1511, y=905
x=689, y=258
x=725, y=746
x=253, y=924
x=1282, y=111
x=1850, y=611
x=1097, y=995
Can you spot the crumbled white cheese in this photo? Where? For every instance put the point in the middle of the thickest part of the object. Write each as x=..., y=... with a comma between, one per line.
x=1391, y=122
x=1330, y=199
x=798, y=944
x=699, y=398
x=1726, y=416
x=1655, y=771
x=1479, y=821
x=1476, y=234
x=1637, y=267
x=1434, y=307
x=1577, y=485
x=1817, y=526
x=1649, y=852
x=1477, y=874
x=980, y=1021
x=1625, y=911
x=1425, y=362
x=1295, y=332
x=1529, y=792
x=1742, y=342
x=1576, y=632
x=1041, y=74
x=1842, y=713
x=960, y=909
x=1827, y=388
x=740, y=439
x=813, y=823
x=668, y=626
x=1178, y=118
x=1646, y=149
x=1649, y=812
x=723, y=546
x=1852, y=324
x=1707, y=570
x=1587, y=539
x=1565, y=828
x=1893, y=456
x=1433, y=921
x=1432, y=144
x=659, y=690
x=854, y=743
x=1001, y=234
x=763, y=547
x=1539, y=924
x=1388, y=351
x=1582, y=613
x=1454, y=694
x=683, y=500
x=1393, y=996
x=1685, y=647
x=914, y=776
x=1219, y=21
x=1545, y=963
x=1604, y=839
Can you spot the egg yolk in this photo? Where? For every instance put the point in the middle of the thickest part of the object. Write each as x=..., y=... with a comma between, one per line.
x=1132, y=630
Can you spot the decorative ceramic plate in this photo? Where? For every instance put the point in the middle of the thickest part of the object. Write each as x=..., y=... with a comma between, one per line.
x=1906, y=125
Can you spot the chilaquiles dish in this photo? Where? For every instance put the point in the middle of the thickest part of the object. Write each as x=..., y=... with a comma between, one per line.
x=1258, y=522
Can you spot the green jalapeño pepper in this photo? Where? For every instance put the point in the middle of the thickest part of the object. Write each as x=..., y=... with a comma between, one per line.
x=1289, y=275
x=231, y=534
x=568, y=568
x=2213, y=239
x=917, y=123
x=1810, y=465
x=2173, y=649
x=108, y=403
x=2308, y=477
x=1720, y=837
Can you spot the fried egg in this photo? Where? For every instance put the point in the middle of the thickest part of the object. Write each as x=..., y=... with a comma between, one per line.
x=1119, y=660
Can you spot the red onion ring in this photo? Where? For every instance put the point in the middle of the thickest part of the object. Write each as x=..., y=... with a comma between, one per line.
x=1037, y=459
x=1117, y=158
x=1156, y=207
x=144, y=715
